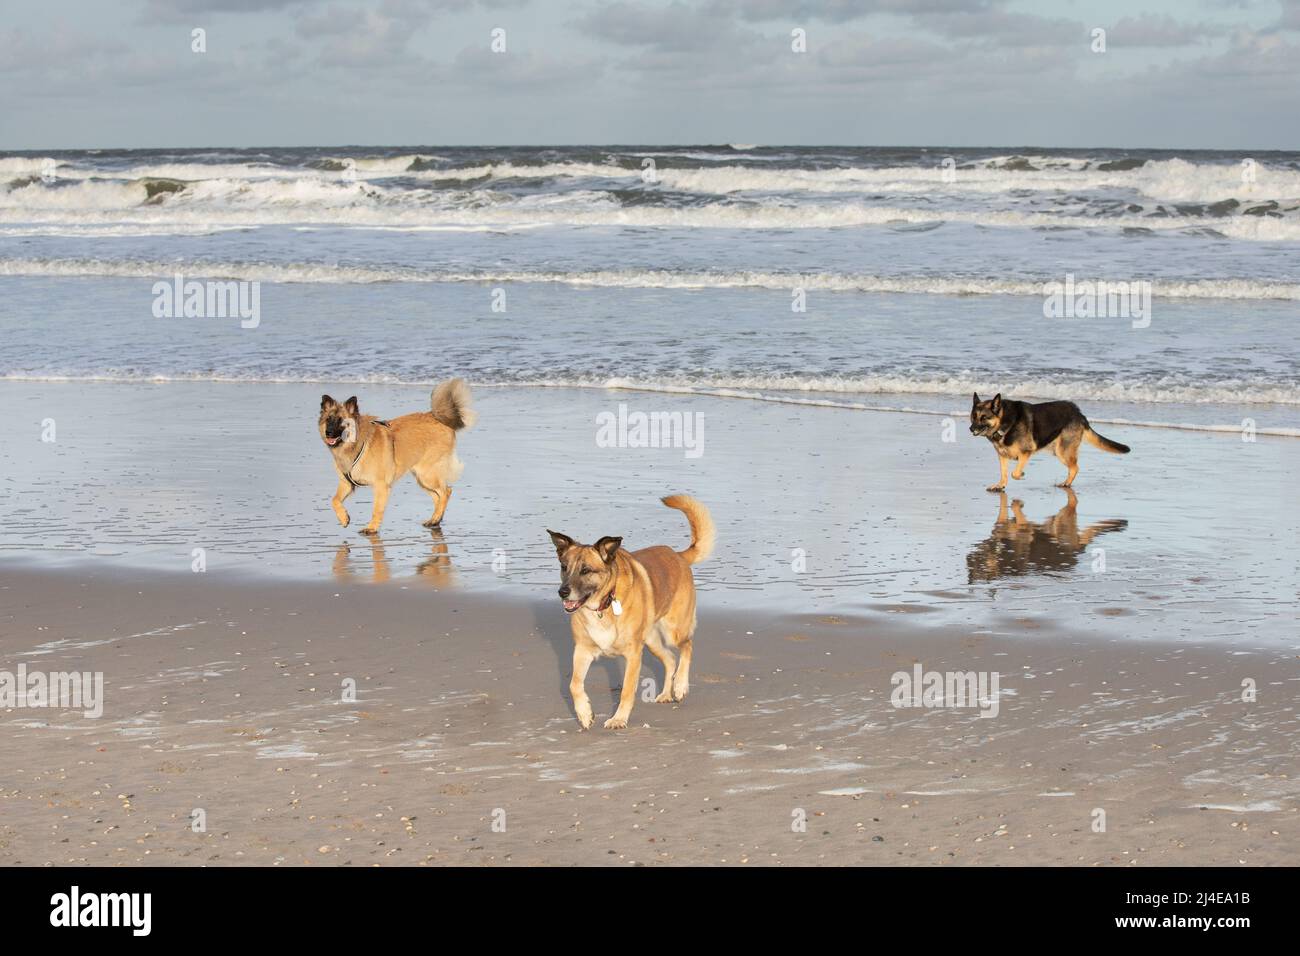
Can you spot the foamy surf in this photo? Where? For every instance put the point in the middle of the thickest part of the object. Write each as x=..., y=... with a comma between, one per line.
x=734, y=187
x=628, y=279
x=1166, y=180
x=344, y=203
x=783, y=397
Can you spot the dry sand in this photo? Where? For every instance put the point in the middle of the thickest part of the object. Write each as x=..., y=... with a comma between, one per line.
x=225, y=696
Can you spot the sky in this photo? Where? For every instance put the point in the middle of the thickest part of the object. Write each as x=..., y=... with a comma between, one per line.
x=1217, y=74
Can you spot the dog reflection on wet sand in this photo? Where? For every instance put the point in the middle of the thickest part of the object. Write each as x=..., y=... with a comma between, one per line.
x=436, y=569
x=1019, y=546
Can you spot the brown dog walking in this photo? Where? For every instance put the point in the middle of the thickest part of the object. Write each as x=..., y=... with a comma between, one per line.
x=370, y=451
x=621, y=603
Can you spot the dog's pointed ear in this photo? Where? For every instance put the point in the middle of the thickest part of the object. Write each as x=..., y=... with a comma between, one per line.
x=997, y=401
x=325, y=402
x=351, y=405
x=562, y=542
x=977, y=398
x=607, y=547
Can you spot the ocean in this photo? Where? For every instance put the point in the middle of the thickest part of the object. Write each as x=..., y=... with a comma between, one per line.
x=893, y=278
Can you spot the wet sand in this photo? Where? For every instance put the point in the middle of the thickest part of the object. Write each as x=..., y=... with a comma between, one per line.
x=854, y=545
x=1194, y=536
x=227, y=698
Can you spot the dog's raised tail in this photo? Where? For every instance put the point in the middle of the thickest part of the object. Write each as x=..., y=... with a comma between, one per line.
x=703, y=533
x=451, y=404
x=1105, y=444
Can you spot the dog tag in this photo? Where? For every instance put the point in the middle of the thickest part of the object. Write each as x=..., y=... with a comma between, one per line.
x=616, y=607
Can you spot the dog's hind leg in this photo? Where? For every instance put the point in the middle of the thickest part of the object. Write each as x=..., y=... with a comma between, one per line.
x=440, y=499
x=682, y=679
x=1068, y=452
x=431, y=480
x=341, y=494
x=377, y=515
x=659, y=648
x=631, y=676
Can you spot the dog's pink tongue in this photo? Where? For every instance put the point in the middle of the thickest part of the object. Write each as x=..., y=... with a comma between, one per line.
x=571, y=605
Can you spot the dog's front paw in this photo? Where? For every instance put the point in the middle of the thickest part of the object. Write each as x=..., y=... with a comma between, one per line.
x=432, y=524
x=615, y=723
x=367, y=530
x=585, y=716
x=996, y=488
x=345, y=519
x=680, y=691
x=666, y=697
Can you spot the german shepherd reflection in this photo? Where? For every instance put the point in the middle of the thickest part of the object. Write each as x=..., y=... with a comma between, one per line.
x=1018, y=429
x=371, y=451
x=1019, y=546
x=622, y=602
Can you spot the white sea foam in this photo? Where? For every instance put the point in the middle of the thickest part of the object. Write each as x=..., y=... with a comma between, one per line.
x=380, y=167
x=270, y=197
x=1170, y=181
x=23, y=166
x=786, y=390
x=627, y=279
x=385, y=165
x=115, y=231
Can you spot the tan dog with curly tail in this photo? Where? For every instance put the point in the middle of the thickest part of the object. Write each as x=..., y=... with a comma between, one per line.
x=370, y=451
x=621, y=603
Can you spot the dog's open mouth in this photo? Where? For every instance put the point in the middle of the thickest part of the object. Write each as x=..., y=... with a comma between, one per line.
x=333, y=441
x=572, y=606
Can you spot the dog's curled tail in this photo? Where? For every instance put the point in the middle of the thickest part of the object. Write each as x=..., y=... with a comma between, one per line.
x=1105, y=444
x=451, y=404
x=703, y=533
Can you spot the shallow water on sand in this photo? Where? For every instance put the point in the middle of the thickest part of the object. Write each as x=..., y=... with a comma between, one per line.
x=1197, y=363
x=822, y=509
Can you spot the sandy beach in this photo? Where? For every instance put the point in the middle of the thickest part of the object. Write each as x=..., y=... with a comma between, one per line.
x=227, y=699
x=1121, y=700
x=326, y=329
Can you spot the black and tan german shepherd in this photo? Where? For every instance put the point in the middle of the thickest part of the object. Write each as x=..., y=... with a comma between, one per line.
x=1018, y=429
